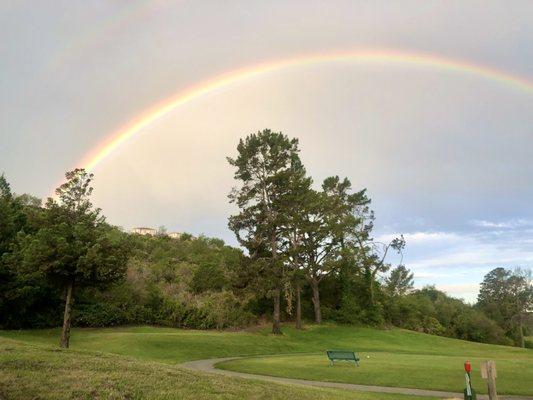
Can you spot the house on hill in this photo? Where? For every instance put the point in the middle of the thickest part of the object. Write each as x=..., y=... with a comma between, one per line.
x=144, y=231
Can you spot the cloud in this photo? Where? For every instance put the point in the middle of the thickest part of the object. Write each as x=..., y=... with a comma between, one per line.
x=509, y=224
x=422, y=237
x=466, y=291
x=457, y=261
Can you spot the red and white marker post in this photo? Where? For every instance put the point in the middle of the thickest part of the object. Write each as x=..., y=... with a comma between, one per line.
x=469, y=392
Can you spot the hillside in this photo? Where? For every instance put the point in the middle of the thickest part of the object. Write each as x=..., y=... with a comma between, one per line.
x=42, y=372
x=431, y=362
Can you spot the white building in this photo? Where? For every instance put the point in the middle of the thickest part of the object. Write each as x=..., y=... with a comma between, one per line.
x=175, y=235
x=144, y=231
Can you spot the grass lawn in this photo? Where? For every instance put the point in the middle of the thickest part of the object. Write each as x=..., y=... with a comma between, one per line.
x=394, y=369
x=397, y=357
x=30, y=371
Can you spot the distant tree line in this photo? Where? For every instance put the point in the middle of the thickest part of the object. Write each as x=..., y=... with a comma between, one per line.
x=309, y=255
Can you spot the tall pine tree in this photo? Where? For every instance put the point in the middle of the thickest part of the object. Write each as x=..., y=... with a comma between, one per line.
x=268, y=167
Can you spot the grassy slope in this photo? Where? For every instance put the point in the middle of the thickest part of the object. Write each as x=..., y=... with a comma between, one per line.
x=29, y=371
x=176, y=345
x=398, y=357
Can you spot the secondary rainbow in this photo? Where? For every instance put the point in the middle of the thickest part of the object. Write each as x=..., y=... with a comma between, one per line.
x=134, y=127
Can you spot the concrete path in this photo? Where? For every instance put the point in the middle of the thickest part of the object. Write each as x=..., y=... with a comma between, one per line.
x=210, y=367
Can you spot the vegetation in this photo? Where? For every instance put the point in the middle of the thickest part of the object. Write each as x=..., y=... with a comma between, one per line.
x=71, y=245
x=271, y=175
x=393, y=369
x=507, y=297
x=431, y=361
x=310, y=254
x=42, y=372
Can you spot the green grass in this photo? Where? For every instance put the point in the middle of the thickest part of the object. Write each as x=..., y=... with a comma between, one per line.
x=177, y=345
x=30, y=371
x=397, y=357
x=394, y=369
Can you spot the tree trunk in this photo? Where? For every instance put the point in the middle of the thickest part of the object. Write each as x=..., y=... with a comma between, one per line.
x=371, y=287
x=276, y=320
x=276, y=323
x=298, y=307
x=521, y=330
x=316, y=301
x=65, y=332
x=369, y=278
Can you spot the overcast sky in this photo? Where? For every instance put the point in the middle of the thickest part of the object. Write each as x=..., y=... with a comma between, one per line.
x=447, y=156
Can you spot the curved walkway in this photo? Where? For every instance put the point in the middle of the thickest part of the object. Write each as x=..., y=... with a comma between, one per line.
x=209, y=366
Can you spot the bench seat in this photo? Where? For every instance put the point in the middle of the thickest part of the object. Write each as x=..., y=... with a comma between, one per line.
x=342, y=355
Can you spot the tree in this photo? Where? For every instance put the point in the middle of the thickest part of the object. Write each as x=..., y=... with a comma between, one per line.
x=507, y=297
x=400, y=281
x=370, y=253
x=74, y=247
x=12, y=218
x=521, y=285
x=267, y=166
x=23, y=295
x=321, y=222
x=293, y=233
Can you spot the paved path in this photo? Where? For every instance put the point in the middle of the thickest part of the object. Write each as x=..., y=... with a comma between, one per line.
x=209, y=366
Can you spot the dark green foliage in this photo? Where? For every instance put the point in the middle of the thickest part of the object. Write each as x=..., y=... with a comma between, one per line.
x=26, y=298
x=399, y=282
x=318, y=225
x=506, y=296
x=186, y=282
x=73, y=246
x=432, y=311
x=269, y=173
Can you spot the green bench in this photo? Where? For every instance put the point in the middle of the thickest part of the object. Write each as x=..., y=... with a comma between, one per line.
x=342, y=355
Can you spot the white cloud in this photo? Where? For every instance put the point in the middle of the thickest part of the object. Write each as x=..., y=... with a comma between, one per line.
x=456, y=262
x=472, y=254
x=509, y=224
x=423, y=237
x=466, y=291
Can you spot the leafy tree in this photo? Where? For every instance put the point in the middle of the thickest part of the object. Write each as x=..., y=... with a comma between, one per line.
x=12, y=217
x=74, y=247
x=399, y=282
x=293, y=233
x=370, y=253
x=322, y=221
x=25, y=298
x=431, y=311
x=267, y=166
x=507, y=297
x=522, y=285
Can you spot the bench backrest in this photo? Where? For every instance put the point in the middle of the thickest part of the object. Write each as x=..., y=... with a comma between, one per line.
x=341, y=355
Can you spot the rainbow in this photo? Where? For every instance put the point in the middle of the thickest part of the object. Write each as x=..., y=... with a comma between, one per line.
x=135, y=126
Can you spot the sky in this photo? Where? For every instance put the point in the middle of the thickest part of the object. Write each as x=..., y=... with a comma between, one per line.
x=445, y=154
